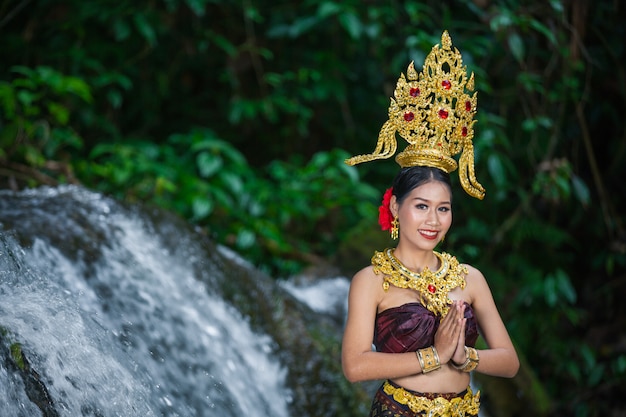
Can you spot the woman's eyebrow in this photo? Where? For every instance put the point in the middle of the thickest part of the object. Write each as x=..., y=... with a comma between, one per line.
x=429, y=201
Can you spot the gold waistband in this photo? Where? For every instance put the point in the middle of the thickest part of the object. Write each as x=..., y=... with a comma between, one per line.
x=437, y=407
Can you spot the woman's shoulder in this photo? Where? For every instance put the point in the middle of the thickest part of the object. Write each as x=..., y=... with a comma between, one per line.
x=473, y=272
x=475, y=283
x=369, y=272
x=367, y=280
x=365, y=274
x=466, y=269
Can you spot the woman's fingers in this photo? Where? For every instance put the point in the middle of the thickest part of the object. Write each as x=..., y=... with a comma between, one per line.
x=448, y=334
x=459, y=353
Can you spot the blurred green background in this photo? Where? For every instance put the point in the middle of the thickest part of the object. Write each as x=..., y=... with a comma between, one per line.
x=238, y=115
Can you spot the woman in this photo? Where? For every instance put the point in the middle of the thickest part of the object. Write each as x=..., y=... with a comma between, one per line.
x=420, y=308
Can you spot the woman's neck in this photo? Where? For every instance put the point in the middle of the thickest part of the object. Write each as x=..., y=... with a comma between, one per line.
x=415, y=259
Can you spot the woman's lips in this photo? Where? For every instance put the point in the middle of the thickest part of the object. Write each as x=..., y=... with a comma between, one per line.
x=428, y=234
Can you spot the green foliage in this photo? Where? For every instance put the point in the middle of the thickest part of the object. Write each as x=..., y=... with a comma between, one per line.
x=36, y=106
x=277, y=218
x=237, y=115
x=18, y=356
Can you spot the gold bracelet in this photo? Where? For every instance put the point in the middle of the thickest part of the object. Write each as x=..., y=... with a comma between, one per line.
x=471, y=360
x=429, y=359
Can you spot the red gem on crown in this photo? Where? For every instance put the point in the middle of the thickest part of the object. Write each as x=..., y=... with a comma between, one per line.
x=414, y=92
x=446, y=84
x=432, y=289
x=408, y=116
x=468, y=106
x=442, y=113
x=464, y=131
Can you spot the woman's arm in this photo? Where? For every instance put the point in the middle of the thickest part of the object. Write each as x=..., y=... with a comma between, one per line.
x=358, y=360
x=500, y=359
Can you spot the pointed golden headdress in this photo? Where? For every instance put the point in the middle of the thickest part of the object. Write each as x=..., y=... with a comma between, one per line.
x=433, y=112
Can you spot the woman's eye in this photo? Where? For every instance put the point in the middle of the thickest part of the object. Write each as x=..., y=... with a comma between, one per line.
x=445, y=209
x=422, y=206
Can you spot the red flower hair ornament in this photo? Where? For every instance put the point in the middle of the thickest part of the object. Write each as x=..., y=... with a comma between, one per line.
x=384, y=212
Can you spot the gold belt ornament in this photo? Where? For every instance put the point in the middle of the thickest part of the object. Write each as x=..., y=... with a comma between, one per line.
x=437, y=407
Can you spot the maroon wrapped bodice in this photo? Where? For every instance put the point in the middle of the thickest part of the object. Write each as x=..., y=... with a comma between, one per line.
x=412, y=326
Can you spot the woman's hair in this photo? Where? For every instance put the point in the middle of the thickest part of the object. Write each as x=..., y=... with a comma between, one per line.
x=412, y=177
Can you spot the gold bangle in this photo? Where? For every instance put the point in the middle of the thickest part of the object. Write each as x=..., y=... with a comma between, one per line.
x=471, y=360
x=429, y=359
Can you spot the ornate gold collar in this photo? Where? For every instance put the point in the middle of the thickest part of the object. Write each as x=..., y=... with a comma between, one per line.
x=432, y=286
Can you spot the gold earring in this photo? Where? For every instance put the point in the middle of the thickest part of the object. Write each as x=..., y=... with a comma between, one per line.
x=443, y=238
x=394, y=227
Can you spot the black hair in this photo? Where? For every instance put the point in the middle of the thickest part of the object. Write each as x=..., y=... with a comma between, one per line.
x=412, y=177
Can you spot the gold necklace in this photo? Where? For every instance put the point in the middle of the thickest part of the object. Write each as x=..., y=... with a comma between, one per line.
x=432, y=286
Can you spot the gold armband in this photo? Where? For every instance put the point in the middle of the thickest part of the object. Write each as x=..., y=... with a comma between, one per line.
x=429, y=359
x=471, y=360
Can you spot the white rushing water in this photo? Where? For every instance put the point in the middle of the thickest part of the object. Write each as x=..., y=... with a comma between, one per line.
x=327, y=295
x=133, y=334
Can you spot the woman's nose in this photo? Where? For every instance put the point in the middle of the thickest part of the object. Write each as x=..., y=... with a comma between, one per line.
x=433, y=218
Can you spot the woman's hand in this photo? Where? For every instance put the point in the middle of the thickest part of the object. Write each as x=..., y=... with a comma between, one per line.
x=459, y=355
x=450, y=337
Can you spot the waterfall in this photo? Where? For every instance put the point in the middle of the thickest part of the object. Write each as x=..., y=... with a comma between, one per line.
x=109, y=315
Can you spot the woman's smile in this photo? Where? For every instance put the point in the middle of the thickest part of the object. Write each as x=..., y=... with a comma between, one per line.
x=428, y=234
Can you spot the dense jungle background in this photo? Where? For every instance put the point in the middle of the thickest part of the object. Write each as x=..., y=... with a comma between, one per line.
x=238, y=115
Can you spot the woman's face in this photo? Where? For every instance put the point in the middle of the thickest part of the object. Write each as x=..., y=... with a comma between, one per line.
x=425, y=215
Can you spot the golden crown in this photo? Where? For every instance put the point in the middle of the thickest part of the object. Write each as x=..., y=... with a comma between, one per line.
x=435, y=115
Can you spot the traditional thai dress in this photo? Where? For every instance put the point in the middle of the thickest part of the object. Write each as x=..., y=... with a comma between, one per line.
x=407, y=328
